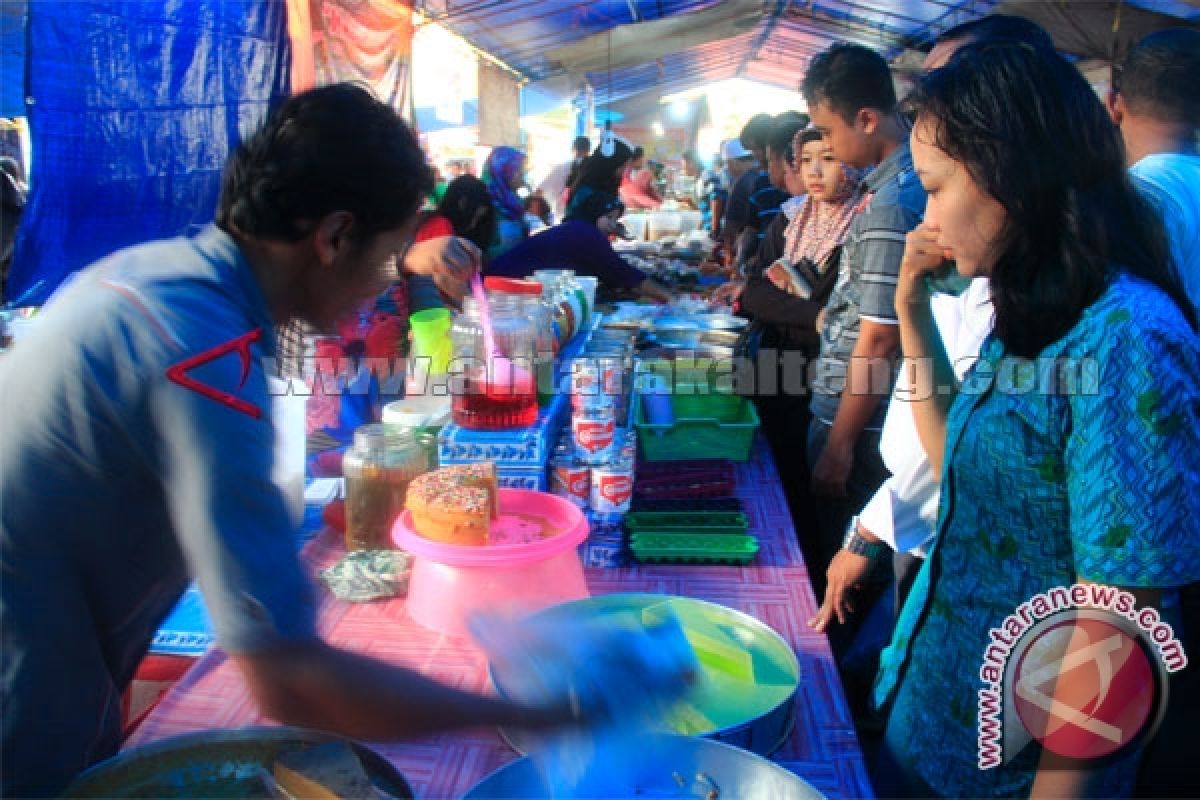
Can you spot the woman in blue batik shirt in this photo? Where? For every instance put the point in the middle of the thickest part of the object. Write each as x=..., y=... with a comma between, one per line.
x=1045, y=484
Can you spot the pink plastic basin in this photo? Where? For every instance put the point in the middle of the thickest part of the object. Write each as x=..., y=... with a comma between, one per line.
x=532, y=563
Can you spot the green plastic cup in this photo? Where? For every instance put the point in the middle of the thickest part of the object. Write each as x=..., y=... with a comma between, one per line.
x=431, y=338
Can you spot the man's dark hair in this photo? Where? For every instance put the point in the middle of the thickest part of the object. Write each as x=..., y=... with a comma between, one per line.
x=638, y=152
x=1160, y=77
x=755, y=133
x=850, y=77
x=787, y=125
x=582, y=144
x=1000, y=27
x=335, y=148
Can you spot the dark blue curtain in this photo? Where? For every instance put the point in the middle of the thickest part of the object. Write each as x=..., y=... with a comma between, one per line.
x=134, y=107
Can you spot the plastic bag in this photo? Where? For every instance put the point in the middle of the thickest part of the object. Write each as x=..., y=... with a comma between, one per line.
x=625, y=675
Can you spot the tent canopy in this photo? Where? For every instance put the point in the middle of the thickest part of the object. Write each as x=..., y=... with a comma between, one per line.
x=624, y=48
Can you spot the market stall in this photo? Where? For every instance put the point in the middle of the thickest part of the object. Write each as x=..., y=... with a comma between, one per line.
x=821, y=748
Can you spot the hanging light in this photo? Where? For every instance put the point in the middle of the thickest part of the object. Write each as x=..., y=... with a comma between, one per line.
x=608, y=141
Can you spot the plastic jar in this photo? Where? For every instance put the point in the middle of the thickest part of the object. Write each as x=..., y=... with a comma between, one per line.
x=494, y=390
x=378, y=468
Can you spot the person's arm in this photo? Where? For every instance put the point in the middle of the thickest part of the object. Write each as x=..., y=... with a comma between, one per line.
x=236, y=534
x=314, y=685
x=653, y=290
x=764, y=301
x=930, y=374
x=1133, y=501
x=449, y=260
x=877, y=342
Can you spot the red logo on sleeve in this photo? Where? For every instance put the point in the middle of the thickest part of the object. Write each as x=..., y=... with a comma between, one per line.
x=177, y=373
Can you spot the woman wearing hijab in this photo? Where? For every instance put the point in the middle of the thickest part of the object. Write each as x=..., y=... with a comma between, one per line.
x=503, y=174
x=786, y=299
x=603, y=173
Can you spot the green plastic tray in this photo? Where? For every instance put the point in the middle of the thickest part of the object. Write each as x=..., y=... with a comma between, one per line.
x=699, y=548
x=675, y=522
x=729, y=436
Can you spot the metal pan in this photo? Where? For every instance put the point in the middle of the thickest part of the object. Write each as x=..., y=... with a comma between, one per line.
x=665, y=765
x=767, y=713
x=218, y=763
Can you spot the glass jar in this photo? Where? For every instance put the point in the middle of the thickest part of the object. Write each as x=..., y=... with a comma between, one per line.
x=568, y=303
x=528, y=296
x=494, y=390
x=378, y=468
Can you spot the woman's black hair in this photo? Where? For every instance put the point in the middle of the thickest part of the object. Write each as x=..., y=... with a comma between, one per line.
x=298, y=168
x=468, y=205
x=1034, y=136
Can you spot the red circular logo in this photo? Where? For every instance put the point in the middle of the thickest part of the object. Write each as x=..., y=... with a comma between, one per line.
x=1084, y=688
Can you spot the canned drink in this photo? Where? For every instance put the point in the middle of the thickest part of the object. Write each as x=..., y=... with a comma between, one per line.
x=628, y=450
x=612, y=488
x=588, y=385
x=593, y=432
x=569, y=478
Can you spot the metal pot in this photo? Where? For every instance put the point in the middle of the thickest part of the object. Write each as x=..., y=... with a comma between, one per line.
x=664, y=765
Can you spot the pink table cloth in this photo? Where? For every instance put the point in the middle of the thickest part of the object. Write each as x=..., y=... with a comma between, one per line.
x=822, y=748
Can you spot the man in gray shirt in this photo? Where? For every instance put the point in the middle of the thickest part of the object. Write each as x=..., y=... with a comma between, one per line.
x=853, y=104
x=122, y=474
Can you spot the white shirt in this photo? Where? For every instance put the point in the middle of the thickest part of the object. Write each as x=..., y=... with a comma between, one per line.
x=552, y=187
x=1172, y=182
x=903, y=511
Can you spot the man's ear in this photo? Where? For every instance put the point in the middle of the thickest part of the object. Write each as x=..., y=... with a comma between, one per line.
x=331, y=236
x=867, y=120
x=1115, y=103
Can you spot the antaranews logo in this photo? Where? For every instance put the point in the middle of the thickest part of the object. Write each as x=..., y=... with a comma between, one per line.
x=1081, y=670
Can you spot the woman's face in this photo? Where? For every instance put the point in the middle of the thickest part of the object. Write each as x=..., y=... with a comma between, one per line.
x=968, y=220
x=610, y=223
x=822, y=173
x=517, y=179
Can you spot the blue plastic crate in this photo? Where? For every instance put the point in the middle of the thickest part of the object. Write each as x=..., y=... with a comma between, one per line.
x=515, y=476
x=522, y=446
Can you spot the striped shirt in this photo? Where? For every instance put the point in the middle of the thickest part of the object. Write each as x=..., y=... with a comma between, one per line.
x=893, y=204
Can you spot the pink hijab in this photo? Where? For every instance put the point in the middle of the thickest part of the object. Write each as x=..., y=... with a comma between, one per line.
x=820, y=226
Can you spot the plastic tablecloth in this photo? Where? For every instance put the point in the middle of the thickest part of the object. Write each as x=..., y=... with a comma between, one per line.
x=822, y=749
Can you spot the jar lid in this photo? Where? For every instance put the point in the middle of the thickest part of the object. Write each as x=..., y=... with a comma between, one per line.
x=512, y=286
x=375, y=436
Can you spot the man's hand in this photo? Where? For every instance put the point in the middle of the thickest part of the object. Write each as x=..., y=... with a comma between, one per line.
x=449, y=260
x=845, y=572
x=728, y=293
x=832, y=469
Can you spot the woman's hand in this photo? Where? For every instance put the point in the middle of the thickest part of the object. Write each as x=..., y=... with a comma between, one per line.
x=778, y=276
x=922, y=256
x=450, y=260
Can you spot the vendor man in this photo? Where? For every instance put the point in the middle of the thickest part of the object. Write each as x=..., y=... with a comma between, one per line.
x=118, y=485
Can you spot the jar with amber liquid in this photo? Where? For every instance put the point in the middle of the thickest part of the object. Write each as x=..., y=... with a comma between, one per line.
x=378, y=469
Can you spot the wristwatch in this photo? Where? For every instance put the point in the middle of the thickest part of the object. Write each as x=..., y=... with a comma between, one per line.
x=856, y=544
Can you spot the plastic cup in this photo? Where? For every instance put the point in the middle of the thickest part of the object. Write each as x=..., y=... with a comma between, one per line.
x=431, y=338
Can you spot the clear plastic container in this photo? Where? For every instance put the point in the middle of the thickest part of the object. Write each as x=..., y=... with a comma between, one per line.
x=378, y=468
x=496, y=390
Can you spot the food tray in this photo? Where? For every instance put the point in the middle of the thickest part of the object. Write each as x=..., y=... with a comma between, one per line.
x=663, y=765
x=748, y=672
x=690, y=438
x=218, y=763
x=685, y=504
x=696, y=548
x=686, y=521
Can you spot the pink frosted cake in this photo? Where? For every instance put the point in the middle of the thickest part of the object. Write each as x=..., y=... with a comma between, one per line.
x=454, y=504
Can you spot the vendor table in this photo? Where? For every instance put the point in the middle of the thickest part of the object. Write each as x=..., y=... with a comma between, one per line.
x=822, y=748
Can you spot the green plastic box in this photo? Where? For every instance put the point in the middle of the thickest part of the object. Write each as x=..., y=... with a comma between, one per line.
x=704, y=427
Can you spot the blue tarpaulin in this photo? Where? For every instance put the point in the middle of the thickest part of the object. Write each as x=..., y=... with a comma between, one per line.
x=134, y=108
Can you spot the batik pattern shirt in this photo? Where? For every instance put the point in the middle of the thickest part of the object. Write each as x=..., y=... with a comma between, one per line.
x=1047, y=483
